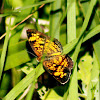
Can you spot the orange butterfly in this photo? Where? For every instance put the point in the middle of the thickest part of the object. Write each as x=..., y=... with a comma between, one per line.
x=59, y=66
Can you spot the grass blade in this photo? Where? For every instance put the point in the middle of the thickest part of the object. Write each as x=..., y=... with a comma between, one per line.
x=96, y=47
x=29, y=95
x=3, y=15
x=32, y=76
x=55, y=19
x=93, y=32
x=71, y=34
x=3, y=55
x=88, y=15
x=71, y=20
x=34, y=5
x=18, y=59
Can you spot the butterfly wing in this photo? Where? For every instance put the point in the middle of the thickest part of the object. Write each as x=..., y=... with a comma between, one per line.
x=52, y=48
x=41, y=44
x=59, y=66
x=37, y=41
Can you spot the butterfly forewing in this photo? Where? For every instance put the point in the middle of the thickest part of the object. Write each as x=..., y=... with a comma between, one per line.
x=36, y=41
x=52, y=48
x=41, y=44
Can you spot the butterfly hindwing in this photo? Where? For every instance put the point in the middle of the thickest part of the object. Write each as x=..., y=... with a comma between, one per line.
x=59, y=67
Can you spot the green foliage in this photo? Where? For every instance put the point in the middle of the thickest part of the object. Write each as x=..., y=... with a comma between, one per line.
x=85, y=66
x=21, y=76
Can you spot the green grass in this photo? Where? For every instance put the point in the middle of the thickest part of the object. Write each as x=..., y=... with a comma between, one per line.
x=3, y=55
x=22, y=76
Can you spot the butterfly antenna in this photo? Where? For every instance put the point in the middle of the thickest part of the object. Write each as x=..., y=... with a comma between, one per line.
x=31, y=53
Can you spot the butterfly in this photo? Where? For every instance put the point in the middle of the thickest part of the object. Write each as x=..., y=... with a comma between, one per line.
x=59, y=66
